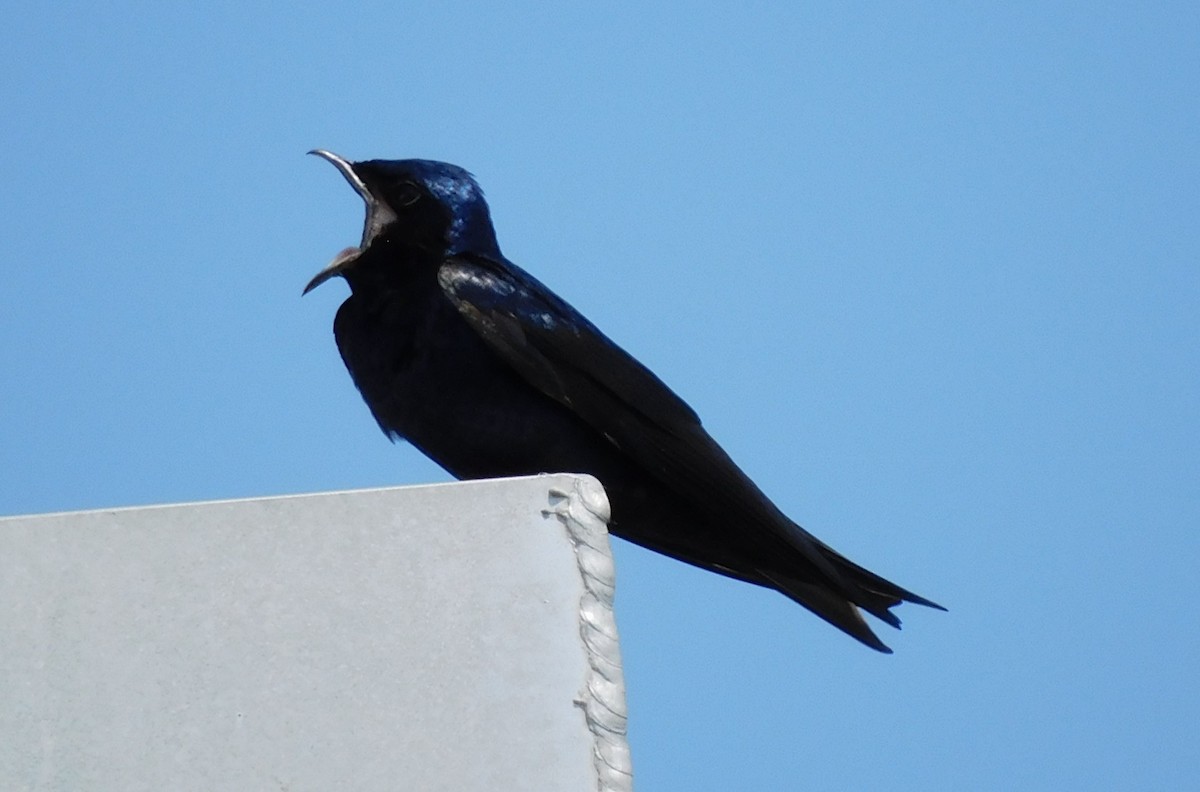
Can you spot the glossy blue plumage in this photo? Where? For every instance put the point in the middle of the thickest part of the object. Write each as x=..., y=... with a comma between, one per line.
x=473, y=360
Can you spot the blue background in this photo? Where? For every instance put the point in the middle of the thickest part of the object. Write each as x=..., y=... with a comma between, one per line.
x=928, y=272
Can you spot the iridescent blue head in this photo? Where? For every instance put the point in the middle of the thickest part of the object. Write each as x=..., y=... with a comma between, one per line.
x=423, y=205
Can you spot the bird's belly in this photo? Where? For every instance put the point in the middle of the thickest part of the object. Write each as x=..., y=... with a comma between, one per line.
x=472, y=414
x=500, y=427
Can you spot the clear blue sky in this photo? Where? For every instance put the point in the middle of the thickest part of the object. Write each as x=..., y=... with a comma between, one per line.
x=929, y=273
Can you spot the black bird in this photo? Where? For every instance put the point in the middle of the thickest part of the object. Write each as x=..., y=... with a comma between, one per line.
x=468, y=357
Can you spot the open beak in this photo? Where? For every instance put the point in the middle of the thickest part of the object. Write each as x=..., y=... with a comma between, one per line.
x=340, y=262
x=379, y=215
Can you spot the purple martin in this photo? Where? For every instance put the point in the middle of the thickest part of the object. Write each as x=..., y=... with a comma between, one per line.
x=489, y=373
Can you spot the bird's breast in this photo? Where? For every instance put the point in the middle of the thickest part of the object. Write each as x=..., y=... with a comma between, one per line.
x=428, y=378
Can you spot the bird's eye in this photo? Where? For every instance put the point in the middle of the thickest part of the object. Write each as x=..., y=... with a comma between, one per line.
x=407, y=194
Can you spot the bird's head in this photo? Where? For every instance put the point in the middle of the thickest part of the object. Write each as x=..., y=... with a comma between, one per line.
x=418, y=204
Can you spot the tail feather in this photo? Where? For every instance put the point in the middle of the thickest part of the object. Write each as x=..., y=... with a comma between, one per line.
x=867, y=580
x=830, y=606
x=838, y=601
